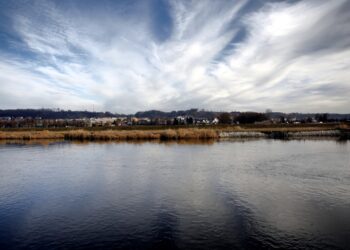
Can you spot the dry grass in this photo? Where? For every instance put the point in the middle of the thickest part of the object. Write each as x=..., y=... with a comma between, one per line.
x=168, y=134
x=156, y=134
x=197, y=134
x=344, y=126
x=29, y=135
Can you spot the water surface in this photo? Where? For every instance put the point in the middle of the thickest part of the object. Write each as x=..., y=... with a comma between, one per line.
x=265, y=194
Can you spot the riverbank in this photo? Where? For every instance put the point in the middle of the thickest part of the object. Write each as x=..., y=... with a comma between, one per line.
x=178, y=133
x=166, y=134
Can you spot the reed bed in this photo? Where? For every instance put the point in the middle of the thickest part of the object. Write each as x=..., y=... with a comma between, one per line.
x=111, y=135
x=172, y=134
x=168, y=134
x=106, y=135
x=196, y=134
x=30, y=135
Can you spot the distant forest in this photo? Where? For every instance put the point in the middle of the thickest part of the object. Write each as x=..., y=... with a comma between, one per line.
x=152, y=114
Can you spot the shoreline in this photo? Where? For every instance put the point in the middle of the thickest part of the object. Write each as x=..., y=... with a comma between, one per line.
x=166, y=134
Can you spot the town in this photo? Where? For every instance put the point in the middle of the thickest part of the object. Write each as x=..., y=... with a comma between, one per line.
x=47, y=118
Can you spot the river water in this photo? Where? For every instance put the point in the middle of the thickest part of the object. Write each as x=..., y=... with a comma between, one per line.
x=256, y=194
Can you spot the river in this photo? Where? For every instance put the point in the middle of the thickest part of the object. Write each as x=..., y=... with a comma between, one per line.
x=250, y=194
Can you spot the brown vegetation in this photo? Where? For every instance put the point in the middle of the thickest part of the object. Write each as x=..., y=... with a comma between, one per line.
x=175, y=133
x=29, y=135
x=168, y=134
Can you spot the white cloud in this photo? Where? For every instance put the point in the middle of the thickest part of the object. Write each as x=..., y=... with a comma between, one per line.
x=293, y=58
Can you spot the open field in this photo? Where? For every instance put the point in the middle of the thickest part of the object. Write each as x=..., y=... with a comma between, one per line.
x=179, y=132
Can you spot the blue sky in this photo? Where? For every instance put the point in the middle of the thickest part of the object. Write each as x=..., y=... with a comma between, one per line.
x=125, y=56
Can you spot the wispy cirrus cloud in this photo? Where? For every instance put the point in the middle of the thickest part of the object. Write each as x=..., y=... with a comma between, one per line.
x=137, y=55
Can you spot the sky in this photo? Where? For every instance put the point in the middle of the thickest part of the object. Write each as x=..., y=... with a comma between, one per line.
x=126, y=56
